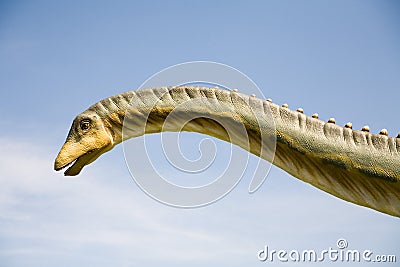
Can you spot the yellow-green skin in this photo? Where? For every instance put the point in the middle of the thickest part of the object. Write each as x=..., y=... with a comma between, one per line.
x=356, y=166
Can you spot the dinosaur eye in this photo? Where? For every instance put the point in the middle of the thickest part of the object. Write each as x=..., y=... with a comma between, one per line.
x=85, y=124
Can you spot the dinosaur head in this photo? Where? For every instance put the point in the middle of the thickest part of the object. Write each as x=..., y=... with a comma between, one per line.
x=87, y=139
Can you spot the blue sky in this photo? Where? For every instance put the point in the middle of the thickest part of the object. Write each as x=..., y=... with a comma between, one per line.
x=340, y=59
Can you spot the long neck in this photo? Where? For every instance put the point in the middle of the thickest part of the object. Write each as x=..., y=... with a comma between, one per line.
x=230, y=116
x=357, y=166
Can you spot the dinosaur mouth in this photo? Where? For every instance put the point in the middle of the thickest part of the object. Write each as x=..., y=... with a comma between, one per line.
x=77, y=164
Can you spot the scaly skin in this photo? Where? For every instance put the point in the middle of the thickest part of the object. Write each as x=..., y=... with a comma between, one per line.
x=356, y=166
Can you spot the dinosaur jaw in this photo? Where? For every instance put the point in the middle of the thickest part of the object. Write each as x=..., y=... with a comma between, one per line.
x=76, y=161
x=77, y=164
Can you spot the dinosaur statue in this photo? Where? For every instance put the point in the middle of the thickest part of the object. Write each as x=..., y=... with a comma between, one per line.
x=354, y=165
